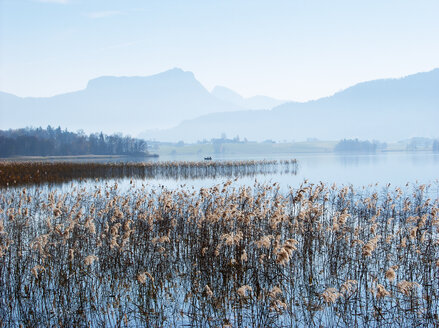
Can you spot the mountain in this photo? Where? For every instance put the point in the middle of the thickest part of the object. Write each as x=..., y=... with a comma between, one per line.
x=256, y=102
x=125, y=104
x=387, y=109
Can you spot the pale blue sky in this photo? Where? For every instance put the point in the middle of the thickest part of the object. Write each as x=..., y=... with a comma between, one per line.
x=289, y=49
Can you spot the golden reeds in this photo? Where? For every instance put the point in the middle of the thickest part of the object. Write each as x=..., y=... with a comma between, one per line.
x=20, y=173
x=237, y=255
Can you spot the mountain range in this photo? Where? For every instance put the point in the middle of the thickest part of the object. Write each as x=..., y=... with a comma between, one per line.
x=173, y=106
x=386, y=109
x=126, y=104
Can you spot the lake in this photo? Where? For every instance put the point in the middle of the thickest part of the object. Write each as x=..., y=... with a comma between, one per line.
x=110, y=252
x=396, y=168
x=359, y=170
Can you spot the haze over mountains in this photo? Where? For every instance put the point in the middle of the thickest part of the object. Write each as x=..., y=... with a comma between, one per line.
x=126, y=104
x=256, y=102
x=387, y=110
x=173, y=106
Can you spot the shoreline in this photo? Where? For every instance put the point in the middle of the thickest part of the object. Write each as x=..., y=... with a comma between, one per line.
x=73, y=157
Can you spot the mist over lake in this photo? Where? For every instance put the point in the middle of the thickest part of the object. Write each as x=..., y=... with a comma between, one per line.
x=219, y=163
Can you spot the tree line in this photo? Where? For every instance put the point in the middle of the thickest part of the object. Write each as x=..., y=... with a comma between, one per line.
x=57, y=142
x=355, y=145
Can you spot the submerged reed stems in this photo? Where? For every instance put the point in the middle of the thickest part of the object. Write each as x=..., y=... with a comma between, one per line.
x=21, y=173
x=221, y=256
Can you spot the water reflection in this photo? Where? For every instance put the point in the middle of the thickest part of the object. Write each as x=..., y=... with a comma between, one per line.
x=226, y=256
x=20, y=173
x=358, y=160
x=394, y=168
x=358, y=170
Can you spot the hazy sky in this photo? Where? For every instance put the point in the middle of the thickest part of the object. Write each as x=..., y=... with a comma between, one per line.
x=289, y=49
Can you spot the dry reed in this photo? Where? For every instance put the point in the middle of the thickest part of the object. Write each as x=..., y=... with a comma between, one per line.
x=223, y=256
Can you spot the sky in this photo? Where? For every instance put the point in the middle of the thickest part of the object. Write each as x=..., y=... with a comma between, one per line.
x=287, y=49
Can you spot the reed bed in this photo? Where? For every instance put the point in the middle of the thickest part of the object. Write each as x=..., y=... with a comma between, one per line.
x=316, y=256
x=22, y=173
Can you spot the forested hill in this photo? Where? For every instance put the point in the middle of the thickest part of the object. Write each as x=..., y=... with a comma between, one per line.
x=58, y=142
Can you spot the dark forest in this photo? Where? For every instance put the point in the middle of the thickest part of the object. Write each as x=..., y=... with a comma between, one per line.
x=58, y=142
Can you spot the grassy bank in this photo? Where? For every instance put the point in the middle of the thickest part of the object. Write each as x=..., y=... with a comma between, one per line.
x=80, y=158
x=249, y=148
x=267, y=148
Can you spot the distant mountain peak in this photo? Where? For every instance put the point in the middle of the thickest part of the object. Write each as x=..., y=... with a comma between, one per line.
x=118, y=103
x=128, y=81
x=176, y=72
x=385, y=109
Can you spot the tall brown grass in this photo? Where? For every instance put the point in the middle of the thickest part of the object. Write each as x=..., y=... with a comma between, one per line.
x=315, y=256
x=22, y=173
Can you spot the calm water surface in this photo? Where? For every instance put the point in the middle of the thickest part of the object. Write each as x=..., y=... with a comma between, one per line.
x=357, y=169
x=398, y=169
